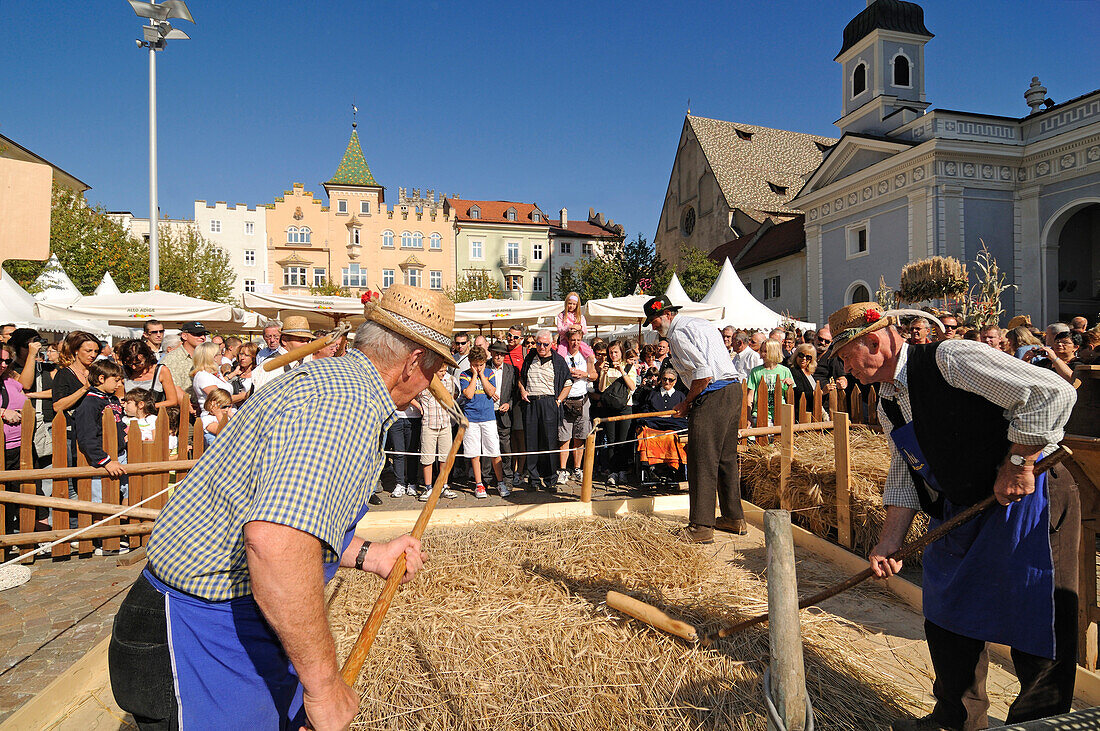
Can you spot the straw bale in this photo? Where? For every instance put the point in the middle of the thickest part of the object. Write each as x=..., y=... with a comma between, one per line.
x=506, y=629
x=811, y=489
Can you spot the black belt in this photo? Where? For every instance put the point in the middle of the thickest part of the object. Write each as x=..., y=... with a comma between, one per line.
x=536, y=398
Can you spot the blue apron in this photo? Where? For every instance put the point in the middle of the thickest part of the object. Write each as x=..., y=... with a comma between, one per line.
x=229, y=667
x=992, y=578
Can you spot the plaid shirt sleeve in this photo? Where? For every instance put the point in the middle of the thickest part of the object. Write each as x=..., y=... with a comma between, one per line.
x=899, y=489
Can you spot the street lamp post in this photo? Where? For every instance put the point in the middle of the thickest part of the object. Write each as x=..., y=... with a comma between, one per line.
x=155, y=38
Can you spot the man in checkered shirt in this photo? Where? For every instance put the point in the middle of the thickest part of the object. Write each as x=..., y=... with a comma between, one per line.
x=966, y=421
x=226, y=627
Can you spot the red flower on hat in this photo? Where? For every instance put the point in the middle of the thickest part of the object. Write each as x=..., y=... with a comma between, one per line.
x=658, y=305
x=369, y=296
x=871, y=316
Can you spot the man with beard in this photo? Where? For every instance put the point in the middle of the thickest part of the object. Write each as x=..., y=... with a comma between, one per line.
x=712, y=406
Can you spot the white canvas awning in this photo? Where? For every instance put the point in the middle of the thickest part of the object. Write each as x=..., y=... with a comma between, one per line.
x=133, y=308
x=627, y=310
x=322, y=312
x=742, y=310
x=17, y=306
x=500, y=314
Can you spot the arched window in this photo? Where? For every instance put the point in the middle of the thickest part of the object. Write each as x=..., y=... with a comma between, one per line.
x=859, y=80
x=292, y=235
x=901, y=71
x=510, y=214
x=406, y=240
x=303, y=235
x=436, y=242
x=858, y=292
x=475, y=212
x=418, y=240
x=387, y=239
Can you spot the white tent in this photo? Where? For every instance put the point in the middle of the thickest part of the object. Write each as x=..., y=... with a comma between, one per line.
x=500, y=314
x=107, y=285
x=133, y=308
x=677, y=295
x=627, y=310
x=322, y=312
x=17, y=306
x=54, y=285
x=742, y=310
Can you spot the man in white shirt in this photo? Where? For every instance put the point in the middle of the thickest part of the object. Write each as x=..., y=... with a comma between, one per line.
x=272, y=346
x=713, y=406
x=745, y=358
x=576, y=421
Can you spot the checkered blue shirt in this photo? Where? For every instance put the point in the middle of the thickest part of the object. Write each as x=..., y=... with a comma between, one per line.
x=1037, y=402
x=305, y=451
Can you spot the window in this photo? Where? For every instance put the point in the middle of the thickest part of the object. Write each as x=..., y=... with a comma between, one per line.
x=354, y=275
x=341, y=206
x=387, y=239
x=250, y=285
x=387, y=278
x=294, y=276
x=743, y=134
x=586, y=248
x=510, y=214
x=771, y=287
x=513, y=283
x=475, y=212
x=355, y=237
x=418, y=240
x=778, y=189
x=436, y=242
x=292, y=235
x=901, y=71
x=477, y=250
x=859, y=79
x=364, y=208
x=419, y=209
x=320, y=276
x=536, y=251
x=249, y=228
x=513, y=252
x=412, y=277
x=858, y=242
x=435, y=279
x=304, y=235
x=858, y=292
x=250, y=257
x=566, y=247
x=536, y=284
x=536, y=217
x=406, y=240
x=215, y=226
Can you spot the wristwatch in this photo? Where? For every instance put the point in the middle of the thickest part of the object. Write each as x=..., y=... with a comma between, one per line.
x=1020, y=461
x=362, y=555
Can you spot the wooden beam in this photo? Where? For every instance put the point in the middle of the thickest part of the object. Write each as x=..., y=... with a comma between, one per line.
x=786, y=452
x=843, y=459
x=788, y=670
x=84, y=471
x=103, y=531
x=18, y=498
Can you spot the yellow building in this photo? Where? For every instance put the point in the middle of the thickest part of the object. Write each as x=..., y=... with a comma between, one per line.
x=357, y=241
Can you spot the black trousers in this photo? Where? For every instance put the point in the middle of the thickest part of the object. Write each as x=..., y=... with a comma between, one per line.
x=620, y=458
x=1046, y=686
x=712, y=456
x=541, y=429
x=139, y=661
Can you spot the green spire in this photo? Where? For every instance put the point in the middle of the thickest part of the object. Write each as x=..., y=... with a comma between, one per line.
x=353, y=168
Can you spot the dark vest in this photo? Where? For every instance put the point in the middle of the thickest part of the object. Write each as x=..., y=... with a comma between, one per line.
x=964, y=437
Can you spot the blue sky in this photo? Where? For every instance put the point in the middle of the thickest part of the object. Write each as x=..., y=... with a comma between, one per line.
x=573, y=104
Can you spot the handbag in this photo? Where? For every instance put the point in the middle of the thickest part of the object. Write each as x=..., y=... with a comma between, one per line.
x=616, y=396
x=574, y=407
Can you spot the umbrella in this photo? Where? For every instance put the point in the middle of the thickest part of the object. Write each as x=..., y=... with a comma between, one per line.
x=500, y=314
x=17, y=306
x=132, y=308
x=321, y=312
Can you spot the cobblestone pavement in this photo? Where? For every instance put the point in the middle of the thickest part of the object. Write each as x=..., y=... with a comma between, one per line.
x=49, y=622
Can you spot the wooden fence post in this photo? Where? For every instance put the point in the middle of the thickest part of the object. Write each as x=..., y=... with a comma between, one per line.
x=589, y=462
x=110, y=487
x=160, y=454
x=83, y=492
x=60, y=488
x=743, y=419
x=872, y=406
x=834, y=400
x=819, y=412
x=762, y=406
x=842, y=456
x=786, y=453
x=856, y=405
x=26, y=462
x=787, y=671
x=135, y=454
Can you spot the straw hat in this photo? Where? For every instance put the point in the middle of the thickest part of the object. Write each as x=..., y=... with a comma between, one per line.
x=297, y=325
x=421, y=315
x=1019, y=321
x=856, y=320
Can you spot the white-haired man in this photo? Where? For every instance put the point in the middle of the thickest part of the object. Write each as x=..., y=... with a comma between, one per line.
x=227, y=623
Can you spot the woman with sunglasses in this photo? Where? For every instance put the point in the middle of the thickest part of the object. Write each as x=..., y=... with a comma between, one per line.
x=803, y=365
x=613, y=369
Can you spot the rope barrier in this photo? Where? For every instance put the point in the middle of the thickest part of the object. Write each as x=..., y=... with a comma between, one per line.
x=546, y=451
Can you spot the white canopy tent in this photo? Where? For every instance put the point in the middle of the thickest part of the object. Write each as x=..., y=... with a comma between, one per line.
x=107, y=285
x=133, y=308
x=742, y=310
x=54, y=285
x=707, y=310
x=500, y=314
x=17, y=306
x=322, y=312
x=627, y=310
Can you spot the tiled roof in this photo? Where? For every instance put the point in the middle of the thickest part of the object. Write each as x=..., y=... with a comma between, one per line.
x=767, y=243
x=353, y=168
x=758, y=168
x=581, y=229
x=493, y=211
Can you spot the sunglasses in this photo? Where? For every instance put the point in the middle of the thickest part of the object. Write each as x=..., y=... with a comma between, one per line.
x=5, y=360
x=800, y=356
x=461, y=342
x=543, y=345
x=668, y=380
x=156, y=332
x=823, y=341
x=513, y=337
x=950, y=327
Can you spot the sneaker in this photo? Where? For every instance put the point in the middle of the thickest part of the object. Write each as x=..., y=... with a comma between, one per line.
x=612, y=479
x=563, y=476
x=479, y=491
x=448, y=493
x=399, y=491
x=517, y=480
x=423, y=497
x=578, y=474
x=503, y=489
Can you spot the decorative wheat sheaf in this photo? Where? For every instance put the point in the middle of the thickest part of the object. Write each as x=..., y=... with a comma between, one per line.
x=939, y=277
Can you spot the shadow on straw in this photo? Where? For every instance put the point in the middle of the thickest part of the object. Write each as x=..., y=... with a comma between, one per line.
x=449, y=699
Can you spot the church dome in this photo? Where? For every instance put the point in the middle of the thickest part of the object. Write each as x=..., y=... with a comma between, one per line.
x=895, y=15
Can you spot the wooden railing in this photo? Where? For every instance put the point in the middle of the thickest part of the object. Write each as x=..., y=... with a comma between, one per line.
x=149, y=467
x=815, y=409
